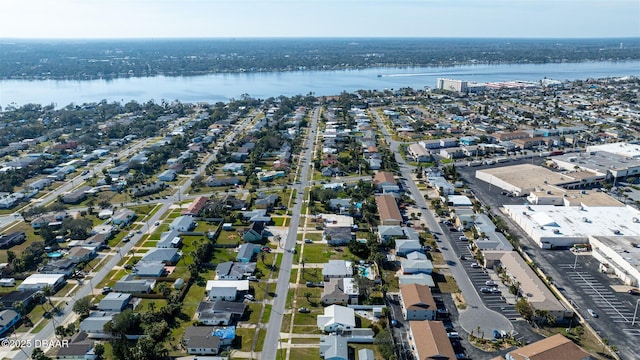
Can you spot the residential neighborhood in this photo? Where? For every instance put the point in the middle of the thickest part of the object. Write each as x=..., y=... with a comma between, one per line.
x=495, y=222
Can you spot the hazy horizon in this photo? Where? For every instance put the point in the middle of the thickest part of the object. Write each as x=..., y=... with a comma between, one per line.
x=179, y=19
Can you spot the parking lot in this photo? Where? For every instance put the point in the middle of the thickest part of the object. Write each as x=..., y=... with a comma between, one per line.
x=479, y=277
x=585, y=287
x=579, y=280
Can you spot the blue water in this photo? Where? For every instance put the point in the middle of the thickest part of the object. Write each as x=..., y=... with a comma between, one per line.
x=55, y=254
x=222, y=87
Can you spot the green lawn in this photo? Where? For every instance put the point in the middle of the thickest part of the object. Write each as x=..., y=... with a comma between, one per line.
x=316, y=253
x=228, y=237
x=267, y=314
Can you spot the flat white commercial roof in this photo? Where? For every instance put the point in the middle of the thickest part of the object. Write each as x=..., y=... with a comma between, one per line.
x=42, y=279
x=623, y=149
x=577, y=221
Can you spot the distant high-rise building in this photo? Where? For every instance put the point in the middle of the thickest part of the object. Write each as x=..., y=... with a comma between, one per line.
x=451, y=85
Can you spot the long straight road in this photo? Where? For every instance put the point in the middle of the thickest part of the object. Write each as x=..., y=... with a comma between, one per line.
x=272, y=338
x=476, y=314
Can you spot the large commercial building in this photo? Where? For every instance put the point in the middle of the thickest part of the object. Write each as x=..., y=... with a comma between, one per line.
x=619, y=255
x=451, y=85
x=521, y=180
x=610, y=161
x=563, y=226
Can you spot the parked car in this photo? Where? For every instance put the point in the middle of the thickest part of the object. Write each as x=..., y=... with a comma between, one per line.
x=592, y=313
x=252, y=278
x=463, y=238
x=304, y=310
x=495, y=290
x=475, y=265
x=485, y=290
x=106, y=290
x=454, y=335
x=157, y=223
x=308, y=241
x=633, y=291
x=490, y=283
x=496, y=334
x=249, y=297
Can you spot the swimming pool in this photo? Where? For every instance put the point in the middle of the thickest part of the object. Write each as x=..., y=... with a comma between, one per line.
x=55, y=254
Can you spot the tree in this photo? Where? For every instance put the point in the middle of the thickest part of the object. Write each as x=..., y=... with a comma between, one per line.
x=307, y=295
x=38, y=354
x=98, y=349
x=524, y=308
x=384, y=341
x=82, y=306
x=164, y=289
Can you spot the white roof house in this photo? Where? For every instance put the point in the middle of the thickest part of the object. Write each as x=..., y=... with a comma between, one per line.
x=417, y=266
x=337, y=269
x=182, y=223
x=39, y=281
x=404, y=247
x=226, y=289
x=114, y=302
x=169, y=239
x=337, y=317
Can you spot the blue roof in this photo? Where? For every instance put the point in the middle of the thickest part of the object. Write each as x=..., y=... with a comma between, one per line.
x=225, y=333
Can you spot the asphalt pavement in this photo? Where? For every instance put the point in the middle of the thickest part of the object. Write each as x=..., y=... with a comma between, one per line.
x=272, y=339
x=476, y=314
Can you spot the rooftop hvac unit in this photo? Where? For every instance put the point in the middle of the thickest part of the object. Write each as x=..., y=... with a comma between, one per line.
x=556, y=231
x=636, y=220
x=617, y=232
x=584, y=219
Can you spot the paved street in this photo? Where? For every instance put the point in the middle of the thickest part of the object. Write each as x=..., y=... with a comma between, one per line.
x=272, y=338
x=476, y=314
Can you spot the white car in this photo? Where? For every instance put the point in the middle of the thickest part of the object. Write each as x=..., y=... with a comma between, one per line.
x=475, y=265
x=249, y=297
x=592, y=313
x=490, y=283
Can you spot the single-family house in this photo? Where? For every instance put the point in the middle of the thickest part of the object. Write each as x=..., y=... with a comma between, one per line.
x=11, y=239
x=226, y=290
x=182, y=223
x=131, y=286
x=417, y=302
x=114, y=302
x=337, y=235
x=199, y=340
x=340, y=292
x=247, y=251
x=336, y=318
x=166, y=256
x=230, y=270
x=266, y=201
x=93, y=325
x=167, y=175
x=149, y=268
x=23, y=296
x=123, y=217
x=81, y=254
x=40, y=281
x=221, y=313
x=383, y=178
x=337, y=269
x=334, y=347
x=366, y=354
x=169, y=239
x=254, y=233
x=404, y=246
x=78, y=348
x=417, y=267
x=8, y=318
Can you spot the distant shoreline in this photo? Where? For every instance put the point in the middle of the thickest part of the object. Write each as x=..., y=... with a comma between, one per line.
x=75, y=59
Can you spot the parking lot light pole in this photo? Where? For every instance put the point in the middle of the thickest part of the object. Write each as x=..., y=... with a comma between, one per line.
x=575, y=262
x=635, y=312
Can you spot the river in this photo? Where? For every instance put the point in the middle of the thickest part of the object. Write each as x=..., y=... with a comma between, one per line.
x=222, y=87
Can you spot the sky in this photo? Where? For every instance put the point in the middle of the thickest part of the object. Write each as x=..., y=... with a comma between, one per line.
x=85, y=19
